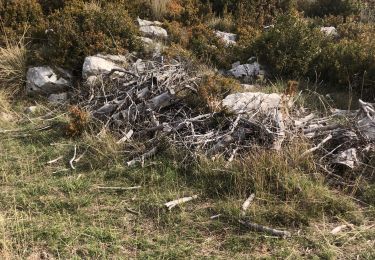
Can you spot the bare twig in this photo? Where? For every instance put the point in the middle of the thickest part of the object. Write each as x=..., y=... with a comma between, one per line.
x=119, y=188
x=260, y=228
x=73, y=158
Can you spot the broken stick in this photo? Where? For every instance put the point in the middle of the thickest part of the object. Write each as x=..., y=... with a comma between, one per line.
x=260, y=228
x=143, y=157
x=170, y=205
x=73, y=158
x=246, y=204
x=119, y=188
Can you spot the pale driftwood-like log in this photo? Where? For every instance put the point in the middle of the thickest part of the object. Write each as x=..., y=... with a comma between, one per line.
x=329, y=137
x=73, y=158
x=119, y=188
x=141, y=159
x=171, y=204
x=260, y=228
x=126, y=138
x=246, y=204
x=322, y=128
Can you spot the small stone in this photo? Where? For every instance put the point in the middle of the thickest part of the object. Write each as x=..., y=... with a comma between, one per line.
x=58, y=98
x=329, y=31
x=31, y=109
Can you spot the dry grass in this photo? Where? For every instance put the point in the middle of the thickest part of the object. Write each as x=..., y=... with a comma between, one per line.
x=159, y=8
x=13, y=65
x=93, y=6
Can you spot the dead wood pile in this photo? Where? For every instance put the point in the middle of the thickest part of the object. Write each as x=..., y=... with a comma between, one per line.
x=147, y=101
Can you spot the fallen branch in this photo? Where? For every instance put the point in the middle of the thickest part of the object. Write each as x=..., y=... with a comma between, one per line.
x=73, y=158
x=260, y=228
x=55, y=160
x=170, y=205
x=119, y=188
x=246, y=204
x=126, y=138
x=143, y=157
x=132, y=211
x=329, y=137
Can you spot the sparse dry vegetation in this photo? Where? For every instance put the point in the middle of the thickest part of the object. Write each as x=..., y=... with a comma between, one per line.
x=13, y=65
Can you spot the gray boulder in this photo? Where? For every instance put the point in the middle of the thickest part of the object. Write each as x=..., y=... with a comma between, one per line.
x=98, y=65
x=152, y=29
x=45, y=80
x=246, y=72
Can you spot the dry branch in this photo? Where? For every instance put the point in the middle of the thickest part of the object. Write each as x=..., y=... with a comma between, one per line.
x=260, y=228
x=170, y=205
x=73, y=158
x=119, y=188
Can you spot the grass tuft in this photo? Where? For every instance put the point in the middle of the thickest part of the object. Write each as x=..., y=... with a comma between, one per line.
x=13, y=65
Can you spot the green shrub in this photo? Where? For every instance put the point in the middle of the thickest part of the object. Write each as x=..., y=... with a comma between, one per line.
x=49, y=6
x=351, y=60
x=290, y=47
x=209, y=48
x=82, y=29
x=323, y=8
x=16, y=15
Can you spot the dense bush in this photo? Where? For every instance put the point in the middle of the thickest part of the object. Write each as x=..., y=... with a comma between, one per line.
x=323, y=8
x=290, y=47
x=208, y=48
x=82, y=29
x=16, y=16
x=351, y=60
x=49, y=6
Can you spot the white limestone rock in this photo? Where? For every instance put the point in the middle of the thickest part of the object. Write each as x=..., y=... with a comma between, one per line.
x=246, y=71
x=249, y=102
x=153, y=31
x=227, y=38
x=329, y=31
x=45, y=80
x=97, y=65
x=142, y=22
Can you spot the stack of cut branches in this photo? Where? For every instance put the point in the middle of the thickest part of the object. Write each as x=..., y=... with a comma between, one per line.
x=147, y=101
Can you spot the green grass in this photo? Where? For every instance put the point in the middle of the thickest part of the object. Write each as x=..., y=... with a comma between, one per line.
x=54, y=210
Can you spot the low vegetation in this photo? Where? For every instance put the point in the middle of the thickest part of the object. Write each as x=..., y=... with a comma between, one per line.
x=63, y=177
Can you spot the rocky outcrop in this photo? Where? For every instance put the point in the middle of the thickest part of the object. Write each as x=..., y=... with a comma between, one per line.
x=45, y=80
x=152, y=29
x=228, y=38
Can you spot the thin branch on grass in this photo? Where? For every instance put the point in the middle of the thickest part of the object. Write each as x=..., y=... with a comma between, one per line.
x=170, y=205
x=260, y=228
x=73, y=158
x=246, y=204
x=118, y=188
